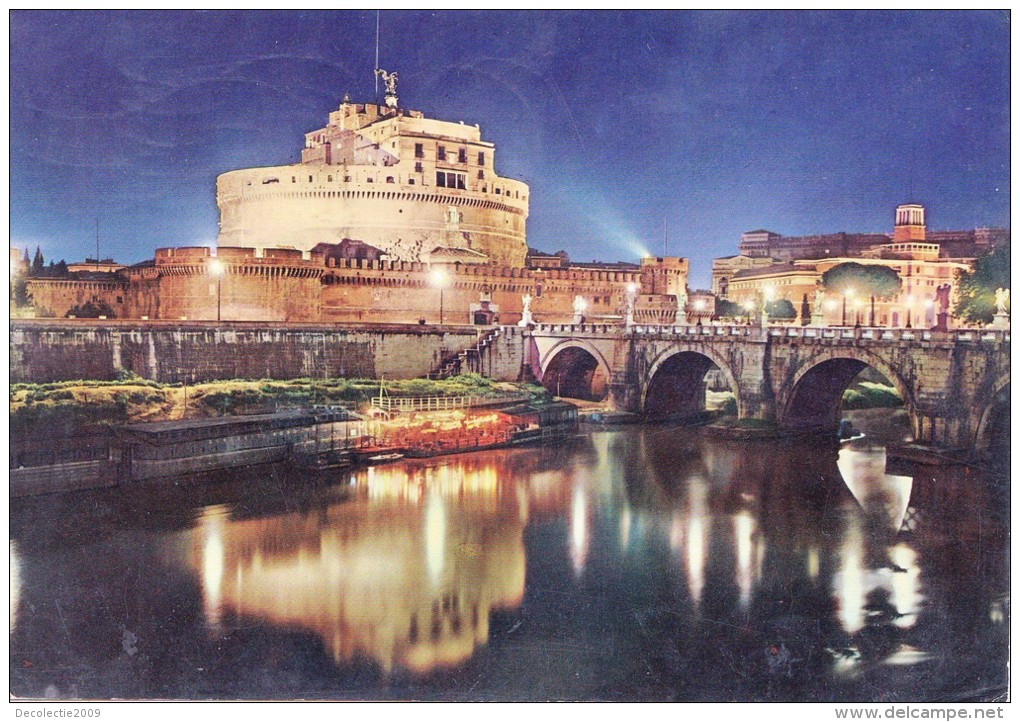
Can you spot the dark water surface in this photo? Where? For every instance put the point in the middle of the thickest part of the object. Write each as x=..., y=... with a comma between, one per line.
x=645, y=563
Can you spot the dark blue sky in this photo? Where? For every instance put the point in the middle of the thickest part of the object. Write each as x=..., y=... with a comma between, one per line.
x=706, y=123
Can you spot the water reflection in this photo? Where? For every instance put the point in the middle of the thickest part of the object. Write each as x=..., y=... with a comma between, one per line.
x=648, y=563
x=406, y=576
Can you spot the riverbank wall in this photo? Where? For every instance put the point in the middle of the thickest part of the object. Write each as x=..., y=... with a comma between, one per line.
x=169, y=352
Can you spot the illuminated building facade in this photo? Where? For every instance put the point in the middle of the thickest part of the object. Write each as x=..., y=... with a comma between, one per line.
x=419, y=189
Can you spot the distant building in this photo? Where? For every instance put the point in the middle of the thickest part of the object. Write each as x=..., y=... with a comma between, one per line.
x=909, y=227
x=774, y=267
x=91, y=265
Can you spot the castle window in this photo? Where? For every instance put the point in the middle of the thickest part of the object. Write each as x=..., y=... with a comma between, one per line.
x=329, y=179
x=417, y=168
x=481, y=175
x=389, y=179
x=419, y=150
x=370, y=180
x=462, y=155
x=481, y=157
x=460, y=182
x=347, y=179
x=441, y=179
x=309, y=179
x=441, y=153
x=410, y=182
x=498, y=191
x=293, y=179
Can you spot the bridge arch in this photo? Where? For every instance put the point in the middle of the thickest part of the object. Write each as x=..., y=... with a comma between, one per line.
x=577, y=370
x=992, y=434
x=675, y=381
x=813, y=396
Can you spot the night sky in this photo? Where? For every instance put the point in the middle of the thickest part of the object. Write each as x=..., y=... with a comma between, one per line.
x=706, y=124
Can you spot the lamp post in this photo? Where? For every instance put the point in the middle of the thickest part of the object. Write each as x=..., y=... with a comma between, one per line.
x=846, y=294
x=910, y=307
x=928, y=305
x=217, y=268
x=439, y=280
x=858, y=304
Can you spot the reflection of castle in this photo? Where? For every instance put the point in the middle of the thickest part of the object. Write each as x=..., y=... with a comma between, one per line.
x=355, y=231
x=405, y=577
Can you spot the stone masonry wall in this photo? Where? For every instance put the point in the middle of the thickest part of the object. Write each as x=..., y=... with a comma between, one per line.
x=44, y=351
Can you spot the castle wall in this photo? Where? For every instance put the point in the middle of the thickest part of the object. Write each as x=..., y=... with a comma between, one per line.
x=42, y=351
x=400, y=292
x=402, y=213
x=55, y=297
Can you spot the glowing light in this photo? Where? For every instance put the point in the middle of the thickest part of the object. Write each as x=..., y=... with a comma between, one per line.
x=770, y=292
x=216, y=267
x=435, y=536
x=849, y=293
x=749, y=305
x=632, y=289
x=743, y=528
x=439, y=278
x=928, y=303
x=849, y=586
x=812, y=563
x=695, y=558
x=579, y=533
x=906, y=593
x=910, y=299
x=830, y=305
x=212, y=569
x=699, y=305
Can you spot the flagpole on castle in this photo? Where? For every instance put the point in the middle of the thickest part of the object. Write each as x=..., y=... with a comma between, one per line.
x=376, y=54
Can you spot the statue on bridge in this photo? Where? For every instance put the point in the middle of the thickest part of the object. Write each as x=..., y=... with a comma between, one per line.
x=1001, y=319
x=1001, y=300
x=526, y=319
x=942, y=305
x=580, y=305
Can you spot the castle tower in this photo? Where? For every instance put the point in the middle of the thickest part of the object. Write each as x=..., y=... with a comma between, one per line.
x=909, y=223
x=386, y=176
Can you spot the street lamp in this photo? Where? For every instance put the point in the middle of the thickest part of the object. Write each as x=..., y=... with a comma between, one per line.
x=440, y=280
x=858, y=303
x=217, y=269
x=846, y=294
x=910, y=307
x=928, y=305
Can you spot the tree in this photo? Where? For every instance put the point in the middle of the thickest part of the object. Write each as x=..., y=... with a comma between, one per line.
x=728, y=309
x=780, y=309
x=22, y=298
x=977, y=286
x=38, y=267
x=92, y=309
x=862, y=280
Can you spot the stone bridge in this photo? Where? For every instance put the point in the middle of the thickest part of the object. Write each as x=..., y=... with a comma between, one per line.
x=954, y=385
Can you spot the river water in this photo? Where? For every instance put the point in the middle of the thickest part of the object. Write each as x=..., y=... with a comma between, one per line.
x=642, y=563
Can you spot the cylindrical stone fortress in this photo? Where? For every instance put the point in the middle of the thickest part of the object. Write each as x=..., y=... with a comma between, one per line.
x=416, y=188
